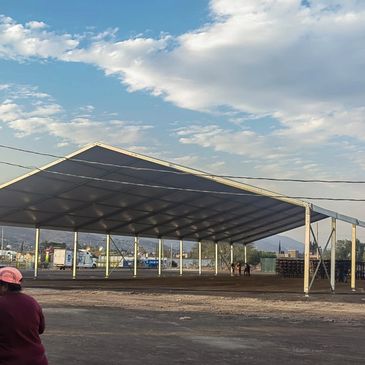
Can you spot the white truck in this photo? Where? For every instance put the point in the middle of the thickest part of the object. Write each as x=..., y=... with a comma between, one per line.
x=7, y=255
x=63, y=258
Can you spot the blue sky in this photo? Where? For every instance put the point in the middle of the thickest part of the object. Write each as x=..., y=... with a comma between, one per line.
x=257, y=88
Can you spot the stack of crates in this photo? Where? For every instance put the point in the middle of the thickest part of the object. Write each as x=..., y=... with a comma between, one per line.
x=360, y=270
x=290, y=268
x=321, y=272
x=294, y=268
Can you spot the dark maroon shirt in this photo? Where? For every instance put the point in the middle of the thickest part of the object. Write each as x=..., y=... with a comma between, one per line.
x=21, y=323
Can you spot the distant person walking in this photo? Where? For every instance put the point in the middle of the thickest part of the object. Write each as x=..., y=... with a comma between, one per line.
x=247, y=270
x=239, y=268
x=232, y=269
x=21, y=323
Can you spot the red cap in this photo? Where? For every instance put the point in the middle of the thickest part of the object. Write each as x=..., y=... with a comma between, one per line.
x=10, y=275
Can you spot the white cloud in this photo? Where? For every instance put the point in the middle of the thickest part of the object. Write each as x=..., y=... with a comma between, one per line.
x=87, y=108
x=126, y=59
x=19, y=41
x=85, y=130
x=245, y=143
x=248, y=58
x=36, y=25
x=301, y=65
x=186, y=160
x=33, y=113
x=267, y=154
x=305, y=71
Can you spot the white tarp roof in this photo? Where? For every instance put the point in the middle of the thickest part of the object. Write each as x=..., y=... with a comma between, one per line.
x=104, y=189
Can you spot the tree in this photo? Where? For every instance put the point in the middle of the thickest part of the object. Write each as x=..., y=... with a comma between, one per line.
x=343, y=250
x=51, y=244
x=253, y=256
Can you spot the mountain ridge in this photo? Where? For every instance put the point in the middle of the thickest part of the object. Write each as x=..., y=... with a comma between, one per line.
x=15, y=236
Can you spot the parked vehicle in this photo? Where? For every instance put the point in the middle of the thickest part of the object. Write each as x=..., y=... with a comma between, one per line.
x=7, y=255
x=63, y=258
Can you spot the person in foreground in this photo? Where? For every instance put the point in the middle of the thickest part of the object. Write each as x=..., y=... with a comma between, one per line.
x=21, y=323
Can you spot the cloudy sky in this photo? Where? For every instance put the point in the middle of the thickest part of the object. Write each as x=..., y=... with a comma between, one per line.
x=261, y=88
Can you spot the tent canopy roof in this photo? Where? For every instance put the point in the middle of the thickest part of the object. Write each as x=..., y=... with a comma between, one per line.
x=104, y=189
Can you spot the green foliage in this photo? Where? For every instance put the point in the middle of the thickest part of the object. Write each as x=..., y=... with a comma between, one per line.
x=51, y=244
x=265, y=254
x=253, y=256
x=343, y=250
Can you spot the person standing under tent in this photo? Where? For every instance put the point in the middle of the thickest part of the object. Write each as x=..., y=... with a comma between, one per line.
x=247, y=270
x=239, y=268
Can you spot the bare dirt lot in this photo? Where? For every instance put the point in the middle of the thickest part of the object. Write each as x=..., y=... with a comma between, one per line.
x=198, y=320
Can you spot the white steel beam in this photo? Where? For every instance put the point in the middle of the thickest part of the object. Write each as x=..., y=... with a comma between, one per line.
x=216, y=257
x=341, y=217
x=74, y=259
x=200, y=257
x=159, y=256
x=353, y=258
x=307, y=249
x=107, y=256
x=333, y=255
x=181, y=256
x=135, y=256
x=232, y=258
x=245, y=254
x=36, y=251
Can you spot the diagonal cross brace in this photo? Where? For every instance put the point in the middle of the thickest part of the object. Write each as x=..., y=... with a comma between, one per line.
x=321, y=261
x=224, y=259
x=120, y=253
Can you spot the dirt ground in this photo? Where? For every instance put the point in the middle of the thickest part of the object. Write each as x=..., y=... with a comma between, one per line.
x=271, y=307
x=198, y=320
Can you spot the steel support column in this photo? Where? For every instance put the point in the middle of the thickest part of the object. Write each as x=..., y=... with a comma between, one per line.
x=159, y=256
x=200, y=257
x=36, y=251
x=181, y=256
x=307, y=249
x=135, y=256
x=245, y=254
x=333, y=255
x=216, y=257
x=232, y=259
x=74, y=259
x=353, y=258
x=107, y=256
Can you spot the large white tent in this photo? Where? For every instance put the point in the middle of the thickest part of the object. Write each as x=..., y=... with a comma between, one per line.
x=103, y=189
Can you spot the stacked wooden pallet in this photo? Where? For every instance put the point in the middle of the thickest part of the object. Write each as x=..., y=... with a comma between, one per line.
x=294, y=268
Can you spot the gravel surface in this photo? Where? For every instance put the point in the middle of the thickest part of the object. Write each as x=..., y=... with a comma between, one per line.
x=198, y=320
x=269, y=306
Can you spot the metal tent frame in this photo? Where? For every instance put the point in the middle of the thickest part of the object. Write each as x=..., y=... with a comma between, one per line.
x=103, y=189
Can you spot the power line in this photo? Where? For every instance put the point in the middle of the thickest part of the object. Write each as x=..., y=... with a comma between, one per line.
x=98, y=179
x=202, y=174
